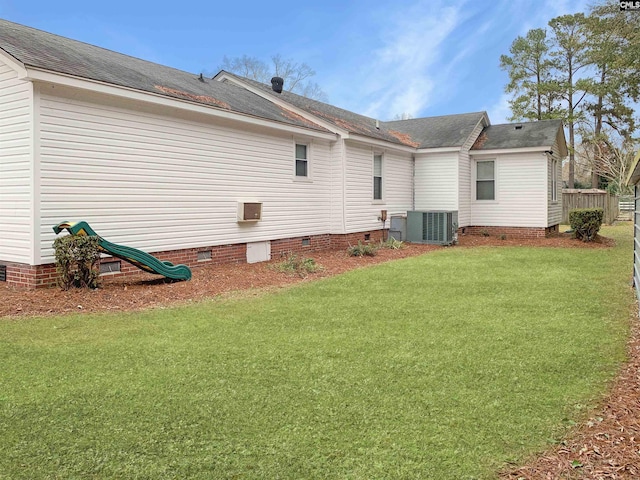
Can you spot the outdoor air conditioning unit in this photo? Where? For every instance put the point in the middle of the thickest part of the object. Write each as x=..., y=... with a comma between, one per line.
x=249, y=211
x=437, y=227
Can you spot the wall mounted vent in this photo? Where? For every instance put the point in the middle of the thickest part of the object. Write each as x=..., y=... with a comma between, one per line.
x=249, y=211
x=3, y=273
x=110, y=267
x=436, y=227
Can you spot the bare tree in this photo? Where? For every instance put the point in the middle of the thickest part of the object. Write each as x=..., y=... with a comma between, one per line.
x=609, y=156
x=295, y=75
x=402, y=116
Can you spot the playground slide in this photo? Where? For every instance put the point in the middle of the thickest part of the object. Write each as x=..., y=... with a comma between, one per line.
x=140, y=259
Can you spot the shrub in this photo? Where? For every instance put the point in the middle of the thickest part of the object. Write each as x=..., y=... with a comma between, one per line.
x=77, y=258
x=362, y=249
x=299, y=265
x=586, y=222
x=392, y=244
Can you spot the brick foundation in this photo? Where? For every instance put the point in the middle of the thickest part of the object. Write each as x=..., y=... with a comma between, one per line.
x=41, y=276
x=349, y=239
x=511, y=232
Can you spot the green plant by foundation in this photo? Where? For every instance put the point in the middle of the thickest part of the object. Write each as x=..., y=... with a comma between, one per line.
x=77, y=258
x=301, y=266
x=363, y=249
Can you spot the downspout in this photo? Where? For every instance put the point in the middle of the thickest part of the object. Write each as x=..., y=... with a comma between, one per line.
x=344, y=184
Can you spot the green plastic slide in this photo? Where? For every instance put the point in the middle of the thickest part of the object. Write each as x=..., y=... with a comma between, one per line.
x=138, y=258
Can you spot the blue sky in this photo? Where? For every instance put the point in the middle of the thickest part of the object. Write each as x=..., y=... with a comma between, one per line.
x=423, y=57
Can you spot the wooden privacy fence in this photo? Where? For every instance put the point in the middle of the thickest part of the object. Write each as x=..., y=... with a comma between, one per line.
x=590, y=198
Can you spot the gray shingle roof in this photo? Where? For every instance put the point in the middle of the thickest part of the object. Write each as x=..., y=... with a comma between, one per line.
x=429, y=132
x=530, y=134
x=442, y=131
x=42, y=50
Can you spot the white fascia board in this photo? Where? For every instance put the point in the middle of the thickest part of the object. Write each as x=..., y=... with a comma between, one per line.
x=379, y=143
x=157, y=99
x=15, y=64
x=438, y=150
x=507, y=151
x=284, y=104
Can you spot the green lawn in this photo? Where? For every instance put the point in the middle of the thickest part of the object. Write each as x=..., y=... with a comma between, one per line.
x=444, y=366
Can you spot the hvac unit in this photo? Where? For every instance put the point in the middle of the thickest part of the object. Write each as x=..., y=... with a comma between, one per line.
x=437, y=227
x=249, y=211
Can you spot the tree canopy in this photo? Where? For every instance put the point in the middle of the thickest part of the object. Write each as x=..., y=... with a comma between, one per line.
x=583, y=69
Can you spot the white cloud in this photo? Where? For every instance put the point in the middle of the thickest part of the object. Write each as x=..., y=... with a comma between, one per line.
x=413, y=45
x=500, y=111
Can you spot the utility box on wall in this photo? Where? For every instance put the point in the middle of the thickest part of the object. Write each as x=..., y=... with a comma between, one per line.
x=398, y=228
x=436, y=227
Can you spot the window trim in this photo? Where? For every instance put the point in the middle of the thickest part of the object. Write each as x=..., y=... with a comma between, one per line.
x=381, y=177
x=476, y=180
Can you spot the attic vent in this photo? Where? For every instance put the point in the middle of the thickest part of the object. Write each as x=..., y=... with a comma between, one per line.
x=277, y=84
x=518, y=126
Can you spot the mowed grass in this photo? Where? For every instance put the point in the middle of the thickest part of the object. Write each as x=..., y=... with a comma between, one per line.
x=444, y=366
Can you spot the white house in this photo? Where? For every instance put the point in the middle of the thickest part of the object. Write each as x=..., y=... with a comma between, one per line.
x=227, y=169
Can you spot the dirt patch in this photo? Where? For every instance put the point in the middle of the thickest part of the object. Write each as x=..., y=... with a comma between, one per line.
x=607, y=446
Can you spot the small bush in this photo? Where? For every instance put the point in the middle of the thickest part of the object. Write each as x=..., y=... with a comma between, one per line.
x=586, y=222
x=77, y=258
x=503, y=237
x=362, y=250
x=484, y=233
x=392, y=244
x=298, y=265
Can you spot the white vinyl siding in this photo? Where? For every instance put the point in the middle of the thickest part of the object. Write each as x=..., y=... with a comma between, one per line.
x=338, y=160
x=159, y=180
x=361, y=211
x=521, y=193
x=16, y=174
x=436, y=181
x=465, y=188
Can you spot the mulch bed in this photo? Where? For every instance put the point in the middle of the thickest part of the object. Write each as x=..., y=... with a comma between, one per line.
x=607, y=446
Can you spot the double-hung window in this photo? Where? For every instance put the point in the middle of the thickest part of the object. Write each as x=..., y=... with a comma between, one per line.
x=377, y=177
x=302, y=160
x=485, y=180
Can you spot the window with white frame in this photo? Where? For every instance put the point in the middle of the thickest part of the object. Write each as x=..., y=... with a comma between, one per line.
x=377, y=176
x=485, y=180
x=554, y=180
x=302, y=160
